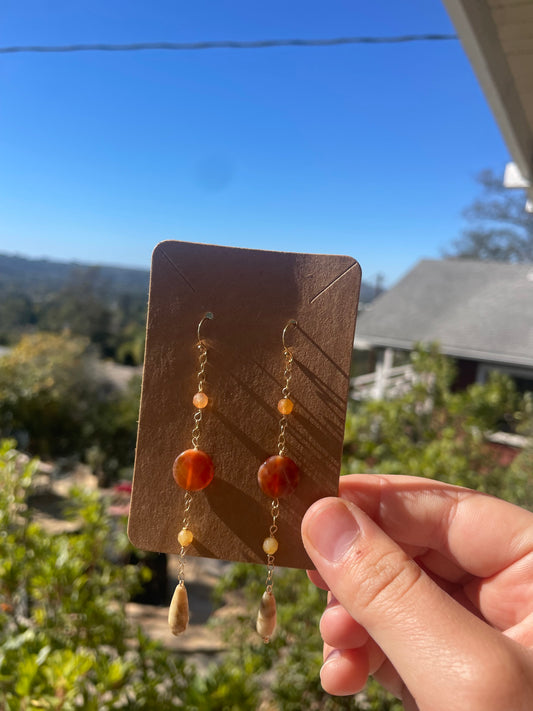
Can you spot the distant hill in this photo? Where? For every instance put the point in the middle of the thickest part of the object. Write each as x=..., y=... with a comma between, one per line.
x=40, y=276
x=36, y=277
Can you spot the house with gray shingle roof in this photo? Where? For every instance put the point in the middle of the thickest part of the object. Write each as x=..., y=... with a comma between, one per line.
x=480, y=313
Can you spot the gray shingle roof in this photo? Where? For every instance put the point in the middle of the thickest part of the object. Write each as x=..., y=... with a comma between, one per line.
x=479, y=310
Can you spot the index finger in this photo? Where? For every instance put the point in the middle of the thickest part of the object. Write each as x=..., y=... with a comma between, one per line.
x=479, y=533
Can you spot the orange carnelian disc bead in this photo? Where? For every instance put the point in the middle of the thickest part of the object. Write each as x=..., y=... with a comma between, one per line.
x=193, y=470
x=278, y=476
x=285, y=406
x=200, y=400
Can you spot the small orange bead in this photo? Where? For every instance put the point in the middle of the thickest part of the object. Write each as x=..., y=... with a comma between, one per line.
x=278, y=476
x=193, y=470
x=285, y=406
x=200, y=400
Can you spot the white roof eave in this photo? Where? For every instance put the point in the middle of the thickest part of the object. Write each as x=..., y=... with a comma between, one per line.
x=365, y=342
x=479, y=37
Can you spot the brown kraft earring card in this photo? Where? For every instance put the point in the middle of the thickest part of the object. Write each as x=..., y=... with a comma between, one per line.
x=252, y=295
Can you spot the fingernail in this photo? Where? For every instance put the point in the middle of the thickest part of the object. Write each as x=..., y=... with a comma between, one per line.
x=331, y=529
x=332, y=656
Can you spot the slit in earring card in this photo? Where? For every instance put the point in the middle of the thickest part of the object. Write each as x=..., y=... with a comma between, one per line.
x=236, y=365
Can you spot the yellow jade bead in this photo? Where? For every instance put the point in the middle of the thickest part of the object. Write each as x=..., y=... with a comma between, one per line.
x=185, y=537
x=270, y=545
x=285, y=406
x=200, y=400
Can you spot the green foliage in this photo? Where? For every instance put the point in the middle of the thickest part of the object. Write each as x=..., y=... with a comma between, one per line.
x=517, y=483
x=129, y=348
x=431, y=431
x=113, y=432
x=434, y=431
x=86, y=302
x=292, y=660
x=16, y=311
x=45, y=390
x=227, y=686
x=64, y=639
x=65, y=642
x=79, y=308
x=56, y=402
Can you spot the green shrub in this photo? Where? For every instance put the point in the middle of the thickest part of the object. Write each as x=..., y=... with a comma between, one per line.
x=55, y=401
x=65, y=642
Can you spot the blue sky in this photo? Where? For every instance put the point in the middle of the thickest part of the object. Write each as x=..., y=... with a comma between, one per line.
x=369, y=151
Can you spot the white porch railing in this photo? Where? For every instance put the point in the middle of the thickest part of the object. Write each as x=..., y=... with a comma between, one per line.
x=383, y=383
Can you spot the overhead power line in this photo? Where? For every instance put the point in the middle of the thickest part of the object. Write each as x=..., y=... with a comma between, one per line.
x=225, y=44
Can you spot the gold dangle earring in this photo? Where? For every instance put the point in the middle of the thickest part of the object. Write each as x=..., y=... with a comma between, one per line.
x=192, y=471
x=278, y=477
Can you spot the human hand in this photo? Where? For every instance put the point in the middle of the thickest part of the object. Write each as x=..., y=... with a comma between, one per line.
x=431, y=592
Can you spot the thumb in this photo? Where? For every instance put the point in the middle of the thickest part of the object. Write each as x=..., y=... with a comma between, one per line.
x=432, y=641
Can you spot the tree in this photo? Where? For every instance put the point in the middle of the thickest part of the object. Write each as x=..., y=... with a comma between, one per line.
x=87, y=302
x=499, y=228
x=56, y=401
x=82, y=308
x=16, y=313
x=47, y=393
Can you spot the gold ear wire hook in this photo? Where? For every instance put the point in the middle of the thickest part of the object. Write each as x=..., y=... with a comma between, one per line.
x=291, y=322
x=208, y=315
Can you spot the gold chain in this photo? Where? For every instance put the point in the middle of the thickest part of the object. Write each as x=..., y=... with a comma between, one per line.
x=282, y=445
x=186, y=523
x=201, y=381
x=274, y=509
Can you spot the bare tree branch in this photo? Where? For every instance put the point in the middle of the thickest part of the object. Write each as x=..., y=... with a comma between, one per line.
x=498, y=228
